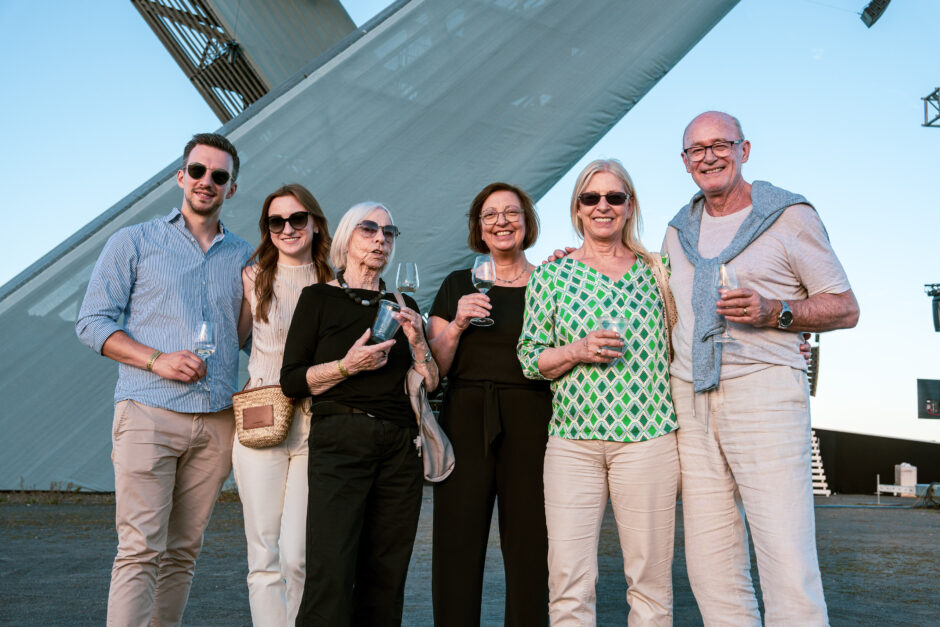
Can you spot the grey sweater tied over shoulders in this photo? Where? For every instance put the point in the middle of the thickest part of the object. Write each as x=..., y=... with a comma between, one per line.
x=768, y=202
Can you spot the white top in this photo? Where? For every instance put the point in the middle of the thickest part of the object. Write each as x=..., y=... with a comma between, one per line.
x=792, y=260
x=267, y=338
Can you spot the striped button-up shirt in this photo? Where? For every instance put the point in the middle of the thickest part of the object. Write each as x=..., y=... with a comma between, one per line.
x=155, y=279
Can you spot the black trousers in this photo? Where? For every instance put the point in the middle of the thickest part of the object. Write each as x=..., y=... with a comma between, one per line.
x=510, y=473
x=365, y=481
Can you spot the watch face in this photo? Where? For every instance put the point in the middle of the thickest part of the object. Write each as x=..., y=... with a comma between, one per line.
x=785, y=319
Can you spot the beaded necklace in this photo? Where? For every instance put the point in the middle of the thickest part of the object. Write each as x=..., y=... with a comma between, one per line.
x=355, y=297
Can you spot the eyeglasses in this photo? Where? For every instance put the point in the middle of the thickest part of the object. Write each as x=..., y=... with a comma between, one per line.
x=197, y=171
x=297, y=221
x=721, y=148
x=370, y=228
x=589, y=199
x=491, y=216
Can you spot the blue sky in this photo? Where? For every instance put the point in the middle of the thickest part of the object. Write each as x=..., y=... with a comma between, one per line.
x=94, y=106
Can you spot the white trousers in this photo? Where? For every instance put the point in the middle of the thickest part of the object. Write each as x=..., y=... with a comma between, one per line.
x=745, y=449
x=641, y=479
x=272, y=486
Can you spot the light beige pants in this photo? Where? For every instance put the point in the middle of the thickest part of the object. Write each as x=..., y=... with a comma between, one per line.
x=745, y=448
x=168, y=471
x=641, y=479
x=272, y=486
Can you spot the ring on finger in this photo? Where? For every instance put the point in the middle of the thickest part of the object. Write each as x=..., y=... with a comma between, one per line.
x=598, y=351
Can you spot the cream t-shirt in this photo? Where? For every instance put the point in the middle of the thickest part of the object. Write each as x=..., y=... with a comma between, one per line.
x=792, y=260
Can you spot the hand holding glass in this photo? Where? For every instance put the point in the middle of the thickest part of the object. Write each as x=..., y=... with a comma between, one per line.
x=483, y=276
x=204, y=345
x=406, y=280
x=725, y=279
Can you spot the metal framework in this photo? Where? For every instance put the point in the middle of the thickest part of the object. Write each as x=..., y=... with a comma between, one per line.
x=206, y=53
x=932, y=105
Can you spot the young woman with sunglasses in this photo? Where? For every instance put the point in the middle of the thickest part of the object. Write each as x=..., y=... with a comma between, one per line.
x=272, y=482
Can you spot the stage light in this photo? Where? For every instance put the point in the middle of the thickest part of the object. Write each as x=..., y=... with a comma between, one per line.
x=933, y=289
x=873, y=11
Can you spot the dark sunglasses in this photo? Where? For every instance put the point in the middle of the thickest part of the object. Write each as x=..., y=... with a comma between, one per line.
x=197, y=171
x=297, y=221
x=589, y=199
x=370, y=228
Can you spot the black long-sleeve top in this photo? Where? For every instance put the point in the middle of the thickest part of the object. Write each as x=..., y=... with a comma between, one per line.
x=325, y=325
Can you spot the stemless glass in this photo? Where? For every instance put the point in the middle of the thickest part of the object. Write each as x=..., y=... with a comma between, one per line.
x=619, y=324
x=725, y=279
x=204, y=345
x=483, y=275
x=406, y=279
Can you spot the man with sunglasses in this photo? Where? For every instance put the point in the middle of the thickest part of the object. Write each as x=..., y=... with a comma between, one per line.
x=151, y=289
x=743, y=406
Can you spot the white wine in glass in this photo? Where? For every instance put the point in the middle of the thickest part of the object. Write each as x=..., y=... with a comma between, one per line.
x=725, y=279
x=483, y=276
x=406, y=280
x=204, y=345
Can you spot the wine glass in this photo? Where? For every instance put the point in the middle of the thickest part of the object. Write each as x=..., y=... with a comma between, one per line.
x=725, y=279
x=406, y=280
x=204, y=345
x=483, y=275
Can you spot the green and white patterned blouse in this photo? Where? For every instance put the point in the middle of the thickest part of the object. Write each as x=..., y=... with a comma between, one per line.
x=624, y=401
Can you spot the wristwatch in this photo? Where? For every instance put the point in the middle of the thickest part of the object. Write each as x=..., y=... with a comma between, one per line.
x=785, y=318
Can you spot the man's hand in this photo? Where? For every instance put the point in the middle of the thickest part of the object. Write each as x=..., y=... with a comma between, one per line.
x=559, y=254
x=183, y=366
x=745, y=306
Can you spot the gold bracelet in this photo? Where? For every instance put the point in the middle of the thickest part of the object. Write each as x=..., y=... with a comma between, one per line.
x=153, y=360
x=342, y=368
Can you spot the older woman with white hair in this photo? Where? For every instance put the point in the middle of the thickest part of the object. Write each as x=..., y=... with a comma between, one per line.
x=364, y=474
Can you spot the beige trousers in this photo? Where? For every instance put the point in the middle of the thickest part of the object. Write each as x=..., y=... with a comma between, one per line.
x=745, y=449
x=641, y=479
x=168, y=471
x=272, y=486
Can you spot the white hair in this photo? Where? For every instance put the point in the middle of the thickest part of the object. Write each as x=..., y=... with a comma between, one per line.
x=347, y=225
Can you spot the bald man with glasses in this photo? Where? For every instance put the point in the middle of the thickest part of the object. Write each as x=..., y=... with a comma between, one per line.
x=743, y=405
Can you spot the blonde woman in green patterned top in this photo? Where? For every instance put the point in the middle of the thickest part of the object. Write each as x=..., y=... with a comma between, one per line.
x=612, y=429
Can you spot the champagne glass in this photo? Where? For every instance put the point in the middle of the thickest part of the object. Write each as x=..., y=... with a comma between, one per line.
x=204, y=345
x=483, y=276
x=725, y=279
x=406, y=280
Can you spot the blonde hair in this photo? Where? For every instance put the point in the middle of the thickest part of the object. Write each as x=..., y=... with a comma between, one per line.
x=347, y=225
x=630, y=236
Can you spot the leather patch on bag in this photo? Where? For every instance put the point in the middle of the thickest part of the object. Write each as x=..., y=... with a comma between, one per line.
x=255, y=417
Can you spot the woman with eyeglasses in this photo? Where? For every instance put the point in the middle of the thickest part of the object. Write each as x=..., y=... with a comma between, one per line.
x=364, y=474
x=497, y=421
x=272, y=481
x=612, y=427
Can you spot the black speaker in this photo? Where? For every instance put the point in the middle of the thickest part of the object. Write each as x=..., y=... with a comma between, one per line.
x=936, y=313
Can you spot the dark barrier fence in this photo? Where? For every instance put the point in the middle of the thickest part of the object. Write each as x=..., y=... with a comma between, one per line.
x=852, y=461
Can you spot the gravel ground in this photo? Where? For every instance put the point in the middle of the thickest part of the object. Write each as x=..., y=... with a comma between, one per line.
x=879, y=566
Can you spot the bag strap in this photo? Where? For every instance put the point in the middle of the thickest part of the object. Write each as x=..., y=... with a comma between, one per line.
x=661, y=275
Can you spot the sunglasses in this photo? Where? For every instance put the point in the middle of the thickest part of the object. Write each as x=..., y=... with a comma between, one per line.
x=297, y=221
x=589, y=199
x=370, y=228
x=197, y=171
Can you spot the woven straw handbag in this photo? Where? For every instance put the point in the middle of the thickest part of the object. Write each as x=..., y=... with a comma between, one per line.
x=262, y=416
